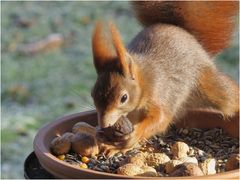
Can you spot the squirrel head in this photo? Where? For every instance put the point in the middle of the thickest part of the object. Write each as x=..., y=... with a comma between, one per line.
x=116, y=91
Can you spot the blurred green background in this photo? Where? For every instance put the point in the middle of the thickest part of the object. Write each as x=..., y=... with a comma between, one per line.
x=37, y=88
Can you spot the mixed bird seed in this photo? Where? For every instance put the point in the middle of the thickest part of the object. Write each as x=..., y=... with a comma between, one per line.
x=203, y=144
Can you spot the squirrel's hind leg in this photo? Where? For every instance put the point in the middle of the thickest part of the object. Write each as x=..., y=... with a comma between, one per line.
x=219, y=92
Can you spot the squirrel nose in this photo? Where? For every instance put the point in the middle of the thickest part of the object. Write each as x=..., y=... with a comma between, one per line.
x=107, y=119
x=101, y=121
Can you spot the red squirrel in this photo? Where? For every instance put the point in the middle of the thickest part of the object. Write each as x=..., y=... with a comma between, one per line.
x=166, y=69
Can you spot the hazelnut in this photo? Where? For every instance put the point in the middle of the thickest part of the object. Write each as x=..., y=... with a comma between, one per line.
x=155, y=159
x=122, y=127
x=130, y=170
x=84, y=144
x=179, y=150
x=232, y=162
x=83, y=127
x=187, y=169
x=62, y=144
x=208, y=166
x=189, y=160
x=169, y=166
x=148, y=171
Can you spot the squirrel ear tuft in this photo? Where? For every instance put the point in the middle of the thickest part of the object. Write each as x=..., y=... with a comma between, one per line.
x=120, y=49
x=109, y=53
x=102, y=48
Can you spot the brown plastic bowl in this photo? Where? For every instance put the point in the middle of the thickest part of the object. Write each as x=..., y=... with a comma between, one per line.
x=62, y=169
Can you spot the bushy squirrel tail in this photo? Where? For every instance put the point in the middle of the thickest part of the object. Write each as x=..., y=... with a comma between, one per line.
x=211, y=22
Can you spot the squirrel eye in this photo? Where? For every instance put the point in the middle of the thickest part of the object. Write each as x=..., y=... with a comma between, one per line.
x=124, y=98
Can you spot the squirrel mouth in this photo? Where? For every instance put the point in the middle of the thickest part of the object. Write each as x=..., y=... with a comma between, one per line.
x=122, y=127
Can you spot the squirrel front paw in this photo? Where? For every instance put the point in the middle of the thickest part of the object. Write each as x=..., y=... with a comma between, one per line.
x=118, y=138
x=110, y=150
x=120, y=132
x=130, y=140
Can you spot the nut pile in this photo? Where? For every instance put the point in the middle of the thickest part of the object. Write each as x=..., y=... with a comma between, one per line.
x=180, y=152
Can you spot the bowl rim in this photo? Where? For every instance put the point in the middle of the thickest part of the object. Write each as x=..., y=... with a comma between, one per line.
x=43, y=154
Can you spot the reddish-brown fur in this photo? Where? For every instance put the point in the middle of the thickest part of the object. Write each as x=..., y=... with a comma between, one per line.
x=210, y=22
x=213, y=85
x=201, y=120
x=165, y=71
